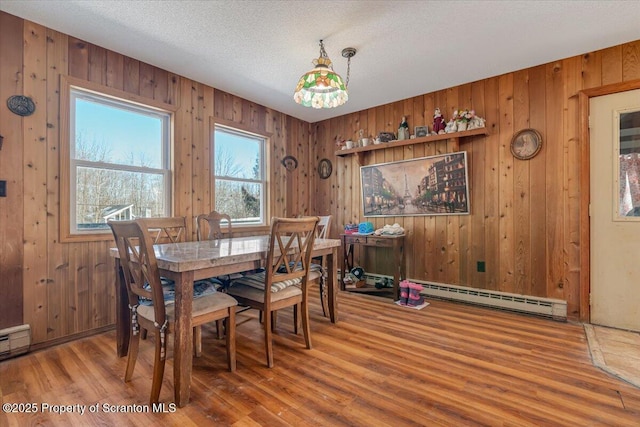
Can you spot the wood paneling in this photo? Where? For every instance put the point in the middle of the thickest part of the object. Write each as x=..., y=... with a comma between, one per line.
x=35, y=180
x=526, y=219
x=66, y=288
x=11, y=165
x=57, y=253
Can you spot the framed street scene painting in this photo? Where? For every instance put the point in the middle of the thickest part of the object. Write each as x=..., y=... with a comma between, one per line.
x=435, y=185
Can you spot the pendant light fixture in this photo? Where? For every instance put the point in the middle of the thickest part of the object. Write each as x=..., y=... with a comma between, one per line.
x=322, y=87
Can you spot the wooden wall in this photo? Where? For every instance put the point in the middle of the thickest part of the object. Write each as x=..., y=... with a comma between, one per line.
x=525, y=215
x=63, y=289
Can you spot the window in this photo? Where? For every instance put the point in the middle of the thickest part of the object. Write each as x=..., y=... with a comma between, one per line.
x=119, y=161
x=627, y=161
x=240, y=175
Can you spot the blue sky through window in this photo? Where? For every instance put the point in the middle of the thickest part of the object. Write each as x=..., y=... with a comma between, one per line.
x=124, y=132
x=244, y=151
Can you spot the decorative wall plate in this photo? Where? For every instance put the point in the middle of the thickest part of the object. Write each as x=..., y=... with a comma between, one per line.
x=290, y=163
x=21, y=105
x=325, y=168
x=526, y=144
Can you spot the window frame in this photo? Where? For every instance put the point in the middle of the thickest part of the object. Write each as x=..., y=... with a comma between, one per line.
x=266, y=205
x=68, y=166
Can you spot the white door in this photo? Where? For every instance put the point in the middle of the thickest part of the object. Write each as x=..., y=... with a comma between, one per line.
x=615, y=210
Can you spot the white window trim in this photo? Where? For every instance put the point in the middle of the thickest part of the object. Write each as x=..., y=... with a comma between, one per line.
x=68, y=165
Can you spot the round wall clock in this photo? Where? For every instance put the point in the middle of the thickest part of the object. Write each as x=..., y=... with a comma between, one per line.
x=325, y=168
x=526, y=144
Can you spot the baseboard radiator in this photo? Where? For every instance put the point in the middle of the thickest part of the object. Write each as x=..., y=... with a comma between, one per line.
x=14, y=341
x=549, y=307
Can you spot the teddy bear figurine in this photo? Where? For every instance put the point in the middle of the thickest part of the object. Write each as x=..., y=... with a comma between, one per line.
x=438, y=122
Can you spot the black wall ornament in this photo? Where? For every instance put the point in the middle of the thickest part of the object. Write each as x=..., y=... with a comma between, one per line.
x=21, y=105
x=290, y=163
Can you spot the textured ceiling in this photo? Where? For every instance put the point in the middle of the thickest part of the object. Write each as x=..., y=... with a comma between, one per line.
x=259, y=49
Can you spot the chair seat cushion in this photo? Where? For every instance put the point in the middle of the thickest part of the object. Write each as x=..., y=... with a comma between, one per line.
x=316, y=267
x=255, y=294
x=257, y=281
x=200, y=288
x=215, y=281
x=312, y=267
x=202, y=305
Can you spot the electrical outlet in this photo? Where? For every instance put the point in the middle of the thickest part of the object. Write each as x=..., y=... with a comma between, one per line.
x=3, y=188
x=481, y=267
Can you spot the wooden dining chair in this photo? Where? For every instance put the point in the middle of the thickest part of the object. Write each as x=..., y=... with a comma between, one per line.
x=209, y=227
x=284, y=283
x=174, y=230
x=150, y=311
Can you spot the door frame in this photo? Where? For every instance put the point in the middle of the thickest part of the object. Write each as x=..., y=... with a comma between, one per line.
x=585, y=186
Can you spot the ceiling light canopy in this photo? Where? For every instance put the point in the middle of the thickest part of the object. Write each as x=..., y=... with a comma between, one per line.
x=322, y=87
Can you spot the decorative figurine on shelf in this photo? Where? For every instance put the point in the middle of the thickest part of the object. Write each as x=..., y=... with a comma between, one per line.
x=403, y=129
x=452, y=126
x=438, y=122
x=462, y=119
x=475, y=123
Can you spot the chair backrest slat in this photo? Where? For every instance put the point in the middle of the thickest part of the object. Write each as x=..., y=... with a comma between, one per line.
x=209, y=228
x=323, y=227
x=166, y=230
x=290, y=247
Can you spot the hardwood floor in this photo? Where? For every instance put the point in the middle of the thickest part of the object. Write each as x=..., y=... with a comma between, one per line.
x=448, y=364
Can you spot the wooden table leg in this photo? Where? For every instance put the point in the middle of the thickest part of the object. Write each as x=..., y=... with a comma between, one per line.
x=183, y=338
x=123, y=320
x=398, y=270
x=332, y=278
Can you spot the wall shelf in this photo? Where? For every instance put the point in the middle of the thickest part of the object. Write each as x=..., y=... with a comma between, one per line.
x=359, y=151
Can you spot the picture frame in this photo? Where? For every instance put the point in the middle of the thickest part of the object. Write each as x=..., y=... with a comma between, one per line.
x=526, y=144
x=325, y=168
x=386, y=136
x=421, y=131
x=434, y=185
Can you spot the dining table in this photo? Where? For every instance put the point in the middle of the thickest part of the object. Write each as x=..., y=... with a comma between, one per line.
x=187, y=262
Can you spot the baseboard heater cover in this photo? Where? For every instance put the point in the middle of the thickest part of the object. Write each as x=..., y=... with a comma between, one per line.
x=550, y=307
x=14, y=341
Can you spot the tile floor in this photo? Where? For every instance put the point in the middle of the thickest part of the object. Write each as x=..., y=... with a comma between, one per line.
x=615, y=351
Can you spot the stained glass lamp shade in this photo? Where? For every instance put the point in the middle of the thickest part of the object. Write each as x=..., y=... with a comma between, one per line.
x=322, y=87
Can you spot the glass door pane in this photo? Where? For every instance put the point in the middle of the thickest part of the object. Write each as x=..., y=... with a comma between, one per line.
x=629, y=165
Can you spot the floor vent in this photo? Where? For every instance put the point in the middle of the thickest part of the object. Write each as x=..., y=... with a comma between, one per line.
x=554, y=308
x=14, y=341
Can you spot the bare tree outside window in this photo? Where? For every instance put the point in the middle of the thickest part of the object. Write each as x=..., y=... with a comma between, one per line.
x=239, y=175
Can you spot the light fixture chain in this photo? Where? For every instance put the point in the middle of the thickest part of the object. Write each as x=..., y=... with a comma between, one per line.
x=323, y=53
x=348, y=71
